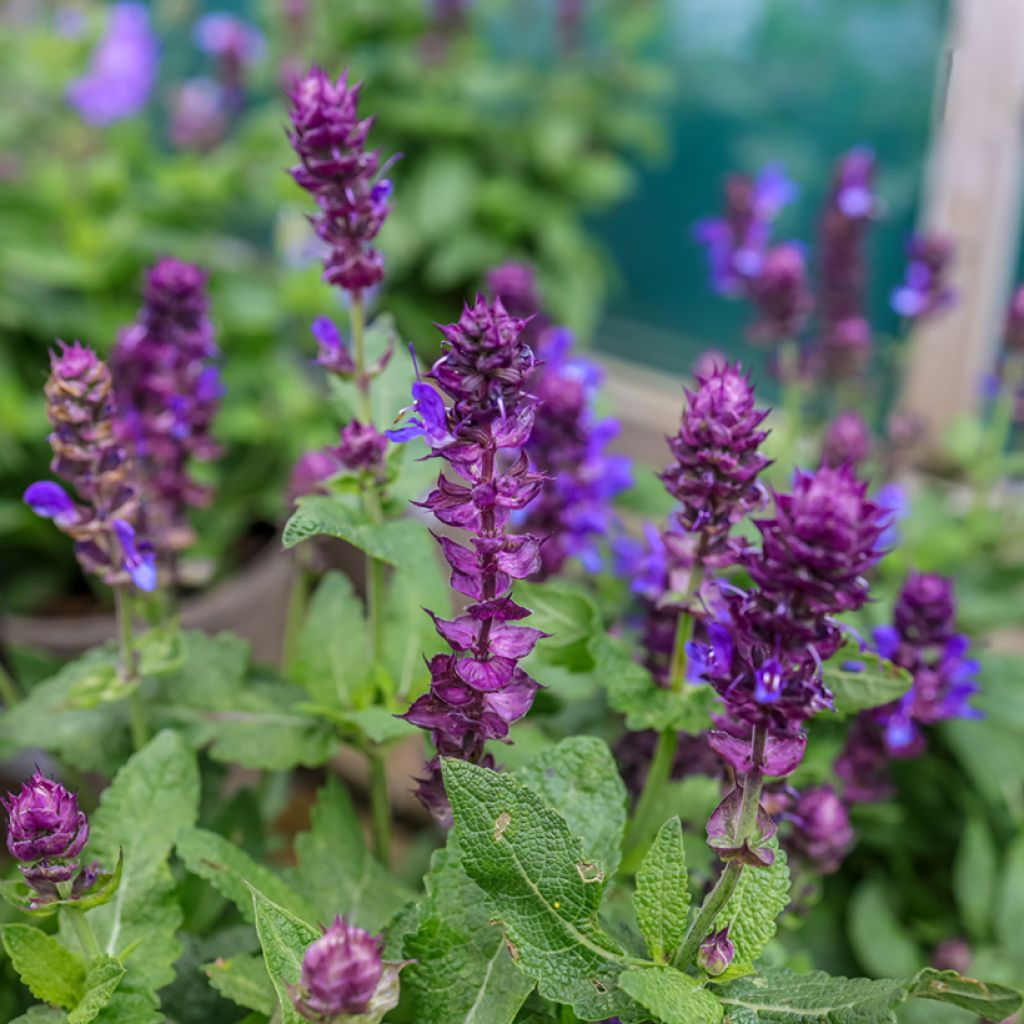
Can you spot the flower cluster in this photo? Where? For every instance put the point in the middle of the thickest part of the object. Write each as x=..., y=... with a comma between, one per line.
x=845, y=330
x=478, y=689
x=737, y=242
x=764, y=653
x=88, y=455
x=820, y=833
x=343, y=976
x=342, y=175
x=923, y=640
x=569, y=441
x=122, y=70
x=46, y=832
x=168, y=390
x=925, y=290
x=781, y=295
x=847, y=440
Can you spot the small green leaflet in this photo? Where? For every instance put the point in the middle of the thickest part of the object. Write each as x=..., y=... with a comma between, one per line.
x=540, y=888
x=671, y=996
x=579, y=778
x=783, y=997
x=101, y=981
x=662, y=898
x=863, y=679
x=284, y=939
x=49, y=970
x=750, y=914
x=244, y=980
x=462, y=972
x=394, y=541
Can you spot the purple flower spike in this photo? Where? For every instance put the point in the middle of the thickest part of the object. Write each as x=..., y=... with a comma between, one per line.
x=361, y=447
x=88, y=455
x=46, y=832
x=333, y=353
x=716, y=953
x=847, y=440
x=168, y=391
x=138, y=559
x=478, y=690
x=822, y=835
x=781, y=295
x=340, y=973
x=925, y=291
x=51, y=501
x=230, y=38
x=122, y=70
x=342, y=176
x=1013, y=339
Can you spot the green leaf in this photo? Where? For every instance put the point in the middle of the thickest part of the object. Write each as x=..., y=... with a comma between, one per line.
x=394, y=541
x=231, y=871
x=568, y=613
x=41, y=1015
x=332, y=661
x=462, y=971
x=101, y=981
x=243, y=980
x=336, y=873
x=750, y=913
x=284, y=939
x=49, y=970
x=161, y=650
x=579, y=778
x=879, y=940
x=662, y=898
x=783, y=997
x=539, y=887
x=671, y=996
x=634, y=692
x=377, y=724
x=975, y=872
x=153, y=798
x=1010, y=911
x=863, y=679
x=100, y=684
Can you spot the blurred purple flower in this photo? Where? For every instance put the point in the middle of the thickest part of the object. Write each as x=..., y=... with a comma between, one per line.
x=226, y=36
x=122, y=70
x=847, y=440
x=199, y=117
x=925, y=290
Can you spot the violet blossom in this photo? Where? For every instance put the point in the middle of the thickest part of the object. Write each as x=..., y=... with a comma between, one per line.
x=46, y=832
x=342, y=175
x=847, y=440
x=716, y=952
x=478, y=689
x=821, y=835
x=852, y=205
x=781, y=295
x=168, y=391
x=122, y=70
x=925, y=291
x=737, y=242
x=89, y=456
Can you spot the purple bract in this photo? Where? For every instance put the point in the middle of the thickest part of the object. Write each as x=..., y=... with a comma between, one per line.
x=340, y=973
x=847, y=440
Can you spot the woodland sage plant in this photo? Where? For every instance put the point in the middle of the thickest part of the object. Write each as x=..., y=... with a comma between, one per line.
x=553, y=893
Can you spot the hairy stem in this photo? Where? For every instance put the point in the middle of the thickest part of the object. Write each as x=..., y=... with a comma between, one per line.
x=357, y=314
x=715, y=900
x=660, y=771
x=83, y=932
x=128, y=667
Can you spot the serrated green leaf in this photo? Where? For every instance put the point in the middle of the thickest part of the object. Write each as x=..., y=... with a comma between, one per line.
x=377, y=724
x=101, y=684
x=212, y=674
x=539, y=887
x=161, y=650
x=394, y=541
x=783, y=997
x=564, y=610
x=284, y=939
x=634, y=692
x=232, y=872
x=579, y=778
x=882, y=945
x=751, y=912
x=863, y=679
x=462, y=972
x=243, y=980
x=332, y=662
x=671, y=996
x=101, y=981
x=336, y=873
x=41, y=1015
x=130, y=1008
x=49, y=970
x=1010, y=911
x=975, y=872
x=662, y=898
x=152, y=799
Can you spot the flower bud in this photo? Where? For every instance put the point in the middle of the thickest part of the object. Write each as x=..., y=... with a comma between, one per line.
x=340, y=973
x=45, y=831
x=361, y=446
x=716, y=952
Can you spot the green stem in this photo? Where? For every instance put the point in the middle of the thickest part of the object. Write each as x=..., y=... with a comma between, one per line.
x=83, y=932
x=715, y=900
x=380, y=807
x=128, y=667
x=1002, y=416
x=357, y=315
x=8, y=688
x=660, y=771
x=298, y=599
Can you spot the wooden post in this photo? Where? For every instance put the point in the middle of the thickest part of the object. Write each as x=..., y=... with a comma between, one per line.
x=973, y=196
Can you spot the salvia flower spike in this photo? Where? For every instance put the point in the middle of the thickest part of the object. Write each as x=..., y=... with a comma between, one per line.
x=90, y=457
x=478, y=689
x=45, y=832
x=168, y=392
